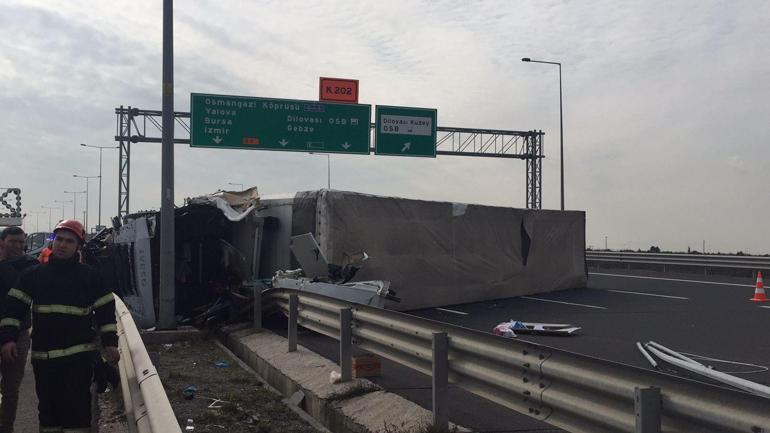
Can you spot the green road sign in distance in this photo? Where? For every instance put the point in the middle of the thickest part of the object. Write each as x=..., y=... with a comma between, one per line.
x=405, y=131
x=241, y=122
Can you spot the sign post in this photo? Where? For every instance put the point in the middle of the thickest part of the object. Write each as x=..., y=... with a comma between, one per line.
x=405, y=131
x=338, y=90
x=240, y=122
x=10, y=209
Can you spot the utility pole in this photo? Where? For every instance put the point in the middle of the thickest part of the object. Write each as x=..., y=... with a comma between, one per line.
x=87, y=178
x=101, y=148
x=561, y=124
x=167, y=318
x=62, y=205
x=75, y=201
x=605, y=243
x=49, y=214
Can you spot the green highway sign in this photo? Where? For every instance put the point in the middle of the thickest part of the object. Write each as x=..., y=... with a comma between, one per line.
x=405, y=131
x=240, y=122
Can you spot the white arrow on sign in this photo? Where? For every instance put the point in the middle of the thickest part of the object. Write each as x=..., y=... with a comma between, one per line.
x=345, y=145
x=217, y=139
x=406, y=147
x=283, y=142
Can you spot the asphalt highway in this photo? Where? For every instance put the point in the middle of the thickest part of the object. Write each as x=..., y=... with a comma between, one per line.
x=706, y=316
x=710, y=318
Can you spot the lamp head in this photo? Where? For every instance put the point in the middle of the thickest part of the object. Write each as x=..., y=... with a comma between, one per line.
x=526, y=59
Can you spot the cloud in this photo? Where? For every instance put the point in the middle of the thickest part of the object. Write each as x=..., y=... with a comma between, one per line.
x=653, y=101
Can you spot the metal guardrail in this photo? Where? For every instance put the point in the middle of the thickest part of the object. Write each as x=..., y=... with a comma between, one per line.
x=575, y=392
x=146, y=404
x=697, y=260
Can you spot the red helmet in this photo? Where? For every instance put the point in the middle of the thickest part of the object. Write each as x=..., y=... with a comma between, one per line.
x=74, y=227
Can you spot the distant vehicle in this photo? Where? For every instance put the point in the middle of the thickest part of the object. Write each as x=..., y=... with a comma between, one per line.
x=35, y=243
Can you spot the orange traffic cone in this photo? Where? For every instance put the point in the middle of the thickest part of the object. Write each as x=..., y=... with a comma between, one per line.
x=759, y=292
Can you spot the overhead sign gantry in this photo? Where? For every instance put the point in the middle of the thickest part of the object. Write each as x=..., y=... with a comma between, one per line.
x=243, y=122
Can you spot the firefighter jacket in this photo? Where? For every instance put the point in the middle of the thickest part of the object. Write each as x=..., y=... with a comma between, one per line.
x=10, y=269
x=69, y=306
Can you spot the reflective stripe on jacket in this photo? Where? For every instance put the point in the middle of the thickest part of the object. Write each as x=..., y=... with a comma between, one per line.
x=69, y=305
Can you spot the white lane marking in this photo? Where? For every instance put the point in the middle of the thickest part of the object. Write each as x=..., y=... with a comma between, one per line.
x=462, y=313
x=672, y=279
x=562, y=302
x=648, y=294
x=764, y=306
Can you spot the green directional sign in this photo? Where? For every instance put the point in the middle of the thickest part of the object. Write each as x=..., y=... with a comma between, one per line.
x=405, y=131
x=240, y=122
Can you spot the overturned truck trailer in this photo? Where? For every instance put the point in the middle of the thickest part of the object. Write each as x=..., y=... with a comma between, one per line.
x=217, y=245
x=433, y=253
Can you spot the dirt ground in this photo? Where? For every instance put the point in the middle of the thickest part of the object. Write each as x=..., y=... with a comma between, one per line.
x=111, y=417
x=227, y=397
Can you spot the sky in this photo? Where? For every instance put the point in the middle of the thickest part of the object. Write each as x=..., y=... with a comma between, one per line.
x=666, y=130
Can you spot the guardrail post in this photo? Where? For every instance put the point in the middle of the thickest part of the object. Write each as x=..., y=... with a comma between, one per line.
x=293, y=313
x=440, y=380
x=257, y=308
x=346, y=344
x=647, y=409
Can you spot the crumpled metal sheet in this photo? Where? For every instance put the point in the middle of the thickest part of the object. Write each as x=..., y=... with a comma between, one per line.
x=371, y=293
x=234, y=205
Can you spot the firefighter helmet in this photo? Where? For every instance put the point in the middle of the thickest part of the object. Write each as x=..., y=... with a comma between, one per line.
x=73, y=226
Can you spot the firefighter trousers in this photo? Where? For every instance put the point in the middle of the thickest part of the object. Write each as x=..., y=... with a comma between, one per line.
x=12, y=374
x=63, y=387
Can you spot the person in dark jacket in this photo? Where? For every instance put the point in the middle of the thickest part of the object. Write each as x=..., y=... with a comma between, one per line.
x=69, y=305
x=11, y=266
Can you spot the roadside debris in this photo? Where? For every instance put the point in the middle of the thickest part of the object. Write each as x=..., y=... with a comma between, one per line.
x=681, y=361
x=335, y=377
x=230, y=400
x=189, y=392
x=221, y=364
x=367, y=365
x=511, y=328
x=646, y=355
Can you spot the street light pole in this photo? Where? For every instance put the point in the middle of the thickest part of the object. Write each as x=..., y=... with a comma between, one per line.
x=101, y=148
x=62, y=205
x=74, y=201
x=561, y=124
x=167, y=290
x=49, y=214
x=87, y=178
x=37, y=221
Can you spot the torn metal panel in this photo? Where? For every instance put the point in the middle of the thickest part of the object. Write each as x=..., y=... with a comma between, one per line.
x=137, y=235
x=737, y=382
x=309, y=256
x=324, y=278
x=234, y=205
x=373, y=293
x=513, y=327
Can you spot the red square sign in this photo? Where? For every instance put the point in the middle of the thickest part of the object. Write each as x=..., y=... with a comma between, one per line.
x=338, y=90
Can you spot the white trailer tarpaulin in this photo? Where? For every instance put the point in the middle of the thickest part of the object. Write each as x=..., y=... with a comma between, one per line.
x=439, y=253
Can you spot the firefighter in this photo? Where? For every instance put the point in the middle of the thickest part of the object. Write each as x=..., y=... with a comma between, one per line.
x=69, y=304
x=11, y=266
x=45, y=253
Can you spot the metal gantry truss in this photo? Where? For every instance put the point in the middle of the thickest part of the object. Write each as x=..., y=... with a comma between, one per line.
x=135, y=125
